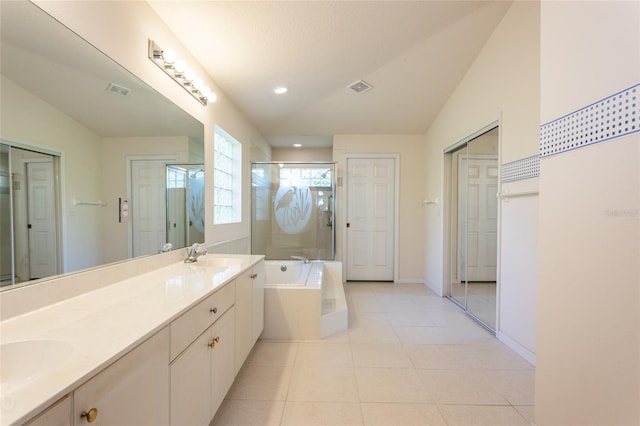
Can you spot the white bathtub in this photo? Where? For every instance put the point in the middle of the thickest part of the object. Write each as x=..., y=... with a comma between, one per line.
x=287, y=273
x=305, y=301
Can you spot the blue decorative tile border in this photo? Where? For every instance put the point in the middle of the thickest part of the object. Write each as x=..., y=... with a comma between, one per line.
x=524, y=168
x=612, y=117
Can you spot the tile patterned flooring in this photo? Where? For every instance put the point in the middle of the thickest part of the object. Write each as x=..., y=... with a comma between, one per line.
x=408, y=358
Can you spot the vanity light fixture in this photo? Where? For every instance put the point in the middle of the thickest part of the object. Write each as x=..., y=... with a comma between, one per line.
x=178, y=70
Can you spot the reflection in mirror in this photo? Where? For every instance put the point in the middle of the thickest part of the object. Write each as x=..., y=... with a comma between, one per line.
x=185, y=204
x=62, y=97
x=473, y=211
x=32, y=223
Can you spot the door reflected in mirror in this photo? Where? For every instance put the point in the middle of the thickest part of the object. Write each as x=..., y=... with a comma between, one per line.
x=31, y=223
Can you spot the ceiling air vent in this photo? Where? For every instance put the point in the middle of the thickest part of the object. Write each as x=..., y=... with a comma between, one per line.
x=360, y=86
x=117, y=89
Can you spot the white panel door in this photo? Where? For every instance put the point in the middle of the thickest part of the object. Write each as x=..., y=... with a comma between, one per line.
x=42, y=222
x=148, y=206
x=176, y=217
x=370, y=219
x=478, y=197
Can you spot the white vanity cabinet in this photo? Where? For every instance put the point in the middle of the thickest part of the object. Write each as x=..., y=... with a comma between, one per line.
x=202, y=373
x=59, y=414
x=249, y=311
x=132, y=391
x=258, y=301
x=178, y=376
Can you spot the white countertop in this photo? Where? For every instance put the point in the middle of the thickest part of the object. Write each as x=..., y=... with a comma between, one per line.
x=103, y=325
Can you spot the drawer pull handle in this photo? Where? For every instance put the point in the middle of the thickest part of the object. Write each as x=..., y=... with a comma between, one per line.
x=213, y=342
x=213, y=310
x=254, y=276
x=89, y=416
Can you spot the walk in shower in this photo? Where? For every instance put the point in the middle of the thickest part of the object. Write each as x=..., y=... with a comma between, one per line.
x=293, y=210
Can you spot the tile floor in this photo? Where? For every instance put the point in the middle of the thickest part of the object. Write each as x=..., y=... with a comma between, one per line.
x=408, y=358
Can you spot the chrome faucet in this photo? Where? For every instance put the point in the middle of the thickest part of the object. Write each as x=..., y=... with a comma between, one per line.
x=304, y=259
x=194, y=252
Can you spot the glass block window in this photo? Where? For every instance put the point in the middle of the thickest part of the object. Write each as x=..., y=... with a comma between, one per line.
x=227, y=178
x=176, y=178
x=305, y=176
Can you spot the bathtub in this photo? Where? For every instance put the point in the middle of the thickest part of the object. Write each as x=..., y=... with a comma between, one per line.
x=288, y=273
x=303, y=301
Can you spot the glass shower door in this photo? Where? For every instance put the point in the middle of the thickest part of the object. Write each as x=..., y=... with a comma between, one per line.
x=185, y=204
x=292, y=210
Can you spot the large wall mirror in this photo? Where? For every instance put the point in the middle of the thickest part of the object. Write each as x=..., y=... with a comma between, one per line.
x=84, y=153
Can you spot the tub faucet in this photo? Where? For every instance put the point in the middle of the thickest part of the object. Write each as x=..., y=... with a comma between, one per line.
x=194, y=252
x=304, y=259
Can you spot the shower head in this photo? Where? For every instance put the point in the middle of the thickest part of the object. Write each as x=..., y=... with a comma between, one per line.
x=196, y=173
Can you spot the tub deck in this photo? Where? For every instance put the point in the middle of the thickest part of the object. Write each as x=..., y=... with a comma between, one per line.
x=311, y=311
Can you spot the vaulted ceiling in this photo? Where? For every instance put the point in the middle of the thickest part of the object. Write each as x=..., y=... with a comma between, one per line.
x=413, y=53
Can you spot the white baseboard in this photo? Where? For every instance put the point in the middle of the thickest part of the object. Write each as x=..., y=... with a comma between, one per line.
x=517, y=347
x=409, y=281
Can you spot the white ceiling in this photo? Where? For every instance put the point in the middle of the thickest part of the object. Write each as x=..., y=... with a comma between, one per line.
x=414, y=53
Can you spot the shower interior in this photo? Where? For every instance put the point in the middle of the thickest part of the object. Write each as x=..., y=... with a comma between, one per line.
x=293, y=210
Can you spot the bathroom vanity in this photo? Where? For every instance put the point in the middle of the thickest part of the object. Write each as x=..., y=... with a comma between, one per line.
x=159, y=348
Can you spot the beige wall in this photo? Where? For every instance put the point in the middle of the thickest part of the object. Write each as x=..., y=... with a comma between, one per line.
x=302, y=154
x=589, y=293
x=410, y=148
x=501, y=85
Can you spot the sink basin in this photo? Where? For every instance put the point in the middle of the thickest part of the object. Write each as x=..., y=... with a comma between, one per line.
x=26, y=361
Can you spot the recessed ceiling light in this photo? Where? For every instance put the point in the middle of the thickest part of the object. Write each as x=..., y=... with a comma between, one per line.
x=297, y=145
x=280, y=90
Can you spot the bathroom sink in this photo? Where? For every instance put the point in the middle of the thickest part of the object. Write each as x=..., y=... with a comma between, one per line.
x=25, y=361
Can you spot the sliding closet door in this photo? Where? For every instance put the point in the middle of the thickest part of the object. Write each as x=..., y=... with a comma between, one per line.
x=472, y=226
x=6, y=247
x=482, y=226
x=458, y=227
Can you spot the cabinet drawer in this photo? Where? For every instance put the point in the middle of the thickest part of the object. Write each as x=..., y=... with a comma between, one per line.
x=189, y=326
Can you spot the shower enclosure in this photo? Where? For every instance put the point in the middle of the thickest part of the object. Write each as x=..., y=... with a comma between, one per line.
x=293, y=210
x=185, y=204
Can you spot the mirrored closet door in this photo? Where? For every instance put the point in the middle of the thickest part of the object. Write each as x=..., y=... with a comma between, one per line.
x=472, y=226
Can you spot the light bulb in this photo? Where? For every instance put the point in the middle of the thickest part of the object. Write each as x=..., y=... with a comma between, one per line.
x=189, y=75
x=180, y=66
x=207, y=93
x=169, y=56
x=198, y=83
